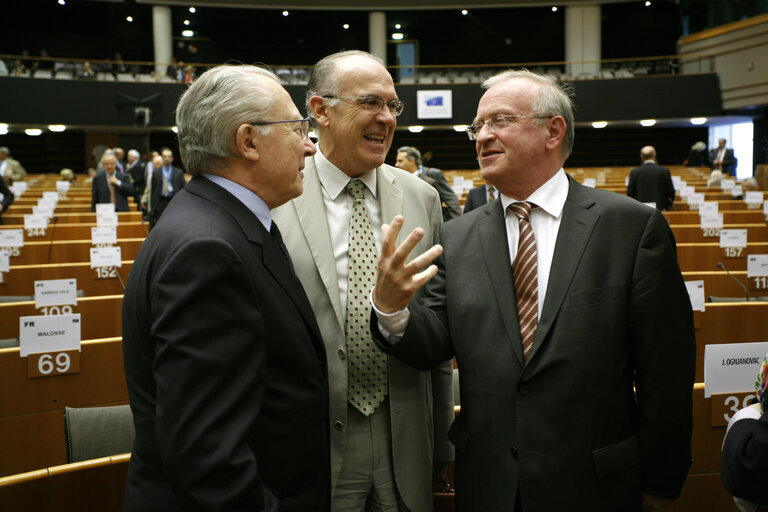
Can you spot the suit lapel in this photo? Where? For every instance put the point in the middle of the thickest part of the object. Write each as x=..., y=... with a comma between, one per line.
x=575, y=230
x=390, y=199
x=492, y=232
x=310, y=210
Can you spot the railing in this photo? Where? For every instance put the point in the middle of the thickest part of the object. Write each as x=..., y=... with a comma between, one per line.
x=100, y=69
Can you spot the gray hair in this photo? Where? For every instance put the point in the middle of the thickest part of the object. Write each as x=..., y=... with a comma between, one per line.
x=553, y=100
x=699, y=146
x=134, y=153
x=324, y=80
x=216, y=104
x=411, y=153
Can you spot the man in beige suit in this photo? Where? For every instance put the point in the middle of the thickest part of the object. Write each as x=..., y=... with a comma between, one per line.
x=388, y=421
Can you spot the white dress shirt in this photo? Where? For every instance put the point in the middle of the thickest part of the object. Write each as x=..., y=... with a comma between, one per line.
x=338, y=209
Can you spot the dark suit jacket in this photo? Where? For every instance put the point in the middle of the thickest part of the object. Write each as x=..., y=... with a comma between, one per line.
x=744, y=466
x=100, y=191
x=225, y=366
x=177, y=181
x=564, y=427
x=138, y=177
x=476, y=197
x=652, y=183
x=7, y=197
x=729, y=161
x=444, y=190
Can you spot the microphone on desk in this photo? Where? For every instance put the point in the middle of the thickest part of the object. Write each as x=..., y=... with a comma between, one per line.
x=53, y=232
x=746, y=293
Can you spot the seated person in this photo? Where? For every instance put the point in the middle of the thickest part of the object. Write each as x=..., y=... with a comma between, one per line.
x=67, y=175
x=715, y=177
x=744, y=468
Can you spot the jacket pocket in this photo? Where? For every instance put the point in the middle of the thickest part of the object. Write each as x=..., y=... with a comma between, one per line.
x=616, y=457
x=595, y=295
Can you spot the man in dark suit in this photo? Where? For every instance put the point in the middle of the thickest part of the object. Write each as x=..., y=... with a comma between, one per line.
x=135, y=169
x=7, y=198
x=651, y=183
x=478, y=196
x=722, y=159
x=111, y=185
x=225, y=365
x=165, y=183
x=409, y=159
x=576, y=364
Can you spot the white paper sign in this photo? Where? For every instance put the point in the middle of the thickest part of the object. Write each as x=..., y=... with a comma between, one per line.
x=695, y=198
x=35, y=221
x=733, y=238
x=11, y=238
x=710, y=222
x=686, y=191
x=101, y=236
x=104, y=208
x=727, y=184
x=757, y=265
x=753, y=197
x=43, y=210
x=708, y=208
x=696, y=293
x=62, y=186
x=732, y=367
x=55, y=292
x=53, y=333
x=105, y=257
x=676, y=181
x=106, y=219
x=765, y=209
x=50, y=196
x=458, y=180
x=5, y=261
x=434, y=104
x=626, y=182
x=589, y=182
x=18, y=188
x=736, y=191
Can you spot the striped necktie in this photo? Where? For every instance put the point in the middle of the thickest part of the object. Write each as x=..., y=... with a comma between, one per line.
x=525, y=275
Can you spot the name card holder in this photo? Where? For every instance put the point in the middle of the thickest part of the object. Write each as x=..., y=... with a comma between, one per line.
x=724, y=406
x=53, y=364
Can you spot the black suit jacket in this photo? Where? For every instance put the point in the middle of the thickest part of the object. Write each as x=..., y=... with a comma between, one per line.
x=100, y=191
x=744, y=466
x=7, y=197
x=729, y=160
x=137, y=173
x=177, y=181
x=476, y=197
x=652, y=183
x=452, y=208
x=225, y=366
x=563, y=427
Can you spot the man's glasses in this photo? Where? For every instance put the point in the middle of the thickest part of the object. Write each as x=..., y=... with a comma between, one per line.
x=497, y=123
x=303, y=125
x=373, y=104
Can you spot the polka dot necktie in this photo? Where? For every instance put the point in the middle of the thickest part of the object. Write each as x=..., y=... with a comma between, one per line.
x=525, y=275
x=367, y=365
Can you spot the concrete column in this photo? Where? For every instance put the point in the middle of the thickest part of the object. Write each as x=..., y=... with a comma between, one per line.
x=582, y=39
x=377, y=34
x=162, y=36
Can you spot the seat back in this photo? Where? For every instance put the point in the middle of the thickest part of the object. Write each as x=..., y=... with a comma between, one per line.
x=93, y=432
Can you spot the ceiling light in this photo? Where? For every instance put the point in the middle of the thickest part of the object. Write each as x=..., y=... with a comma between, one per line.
x=415, y=129
x=186, y=22
x=129, y=19
x=187, y=33
x=698, y=120
x=346, y=26
x=647, y=122
x=460, y=128
x=34, y=132
x=554, y=8
x=599, y=124
x=3, y=129
x=192, y=10
x=57, y=127
x=175, y=129
x=4, y=126
x=397, y=35
x=397, y=26
x=285, y=13
x=464, y=12
x=647, y=3
x=62, y=2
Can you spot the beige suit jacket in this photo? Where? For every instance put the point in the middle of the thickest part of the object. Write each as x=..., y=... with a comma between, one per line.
x=421, y=403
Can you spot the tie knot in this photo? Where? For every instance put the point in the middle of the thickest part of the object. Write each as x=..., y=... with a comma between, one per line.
x=522, y=209
x=355, y=188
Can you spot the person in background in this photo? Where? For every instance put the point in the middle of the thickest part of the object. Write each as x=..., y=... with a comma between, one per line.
x=6, y=198
x=10, y=169
x=651, y=183
x=697, y=156
x=111, y=185
x=478, y=196
x=166, y=181
x=722, y=158
x=409, y=159
x=67, y=174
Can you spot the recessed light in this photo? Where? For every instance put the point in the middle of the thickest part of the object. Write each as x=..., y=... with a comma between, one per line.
x=186, y=22
x=57, y=127
x=175, y=129
x=192, y=10
x=187, y=33
x=415, y=129
x=599, y=124
x=698, y=120
x=397, y=35
x=647, y=122
x=345, y=26
x=285, y=13
x=460, y=128
x=397, y=26
x=129, y=19
x=464, y=12
x=34, y=132
x=554, y=8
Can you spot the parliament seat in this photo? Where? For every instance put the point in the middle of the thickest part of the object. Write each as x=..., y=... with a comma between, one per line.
x=21, y=278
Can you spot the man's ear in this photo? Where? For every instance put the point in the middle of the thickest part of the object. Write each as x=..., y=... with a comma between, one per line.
x=556, y=129
x=319, y=110
x=247, y=142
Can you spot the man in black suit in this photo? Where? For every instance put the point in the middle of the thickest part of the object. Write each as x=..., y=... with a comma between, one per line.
x=722, y=159
x=135, y=169
x=478, y=196
x=166, y=182
x=576, y=364
x=409, y=159
x=7, y=198
x=651, y=183
x=111, y=185
x=224, y=361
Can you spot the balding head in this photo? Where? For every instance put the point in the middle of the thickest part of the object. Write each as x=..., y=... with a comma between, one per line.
x=648, y=153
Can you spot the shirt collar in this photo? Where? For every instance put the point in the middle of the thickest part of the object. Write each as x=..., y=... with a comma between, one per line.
x=334, y=180
x=550, y=197
x=251, y=201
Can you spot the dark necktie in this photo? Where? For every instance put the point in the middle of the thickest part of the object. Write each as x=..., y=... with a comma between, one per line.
x=275, y=232
x=525, y=275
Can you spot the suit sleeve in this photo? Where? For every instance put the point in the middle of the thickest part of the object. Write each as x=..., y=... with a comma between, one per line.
x=670, y=188
x=660, y=330
x=469, y=203
x=7, y=195
x=632, y=185
x=94, y=192
x=210, y=369
x=125, y=187
x=744, y=466
x=447, y=196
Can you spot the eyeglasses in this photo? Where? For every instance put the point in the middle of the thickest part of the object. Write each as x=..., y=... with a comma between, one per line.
x=497, y=123
x=373, y=104
x=303, y=125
